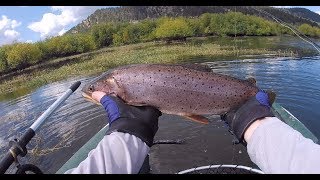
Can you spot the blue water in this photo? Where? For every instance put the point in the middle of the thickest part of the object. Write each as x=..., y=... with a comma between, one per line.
x=295, y=81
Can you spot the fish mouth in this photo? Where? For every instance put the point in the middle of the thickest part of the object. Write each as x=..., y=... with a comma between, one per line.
x=89, y=98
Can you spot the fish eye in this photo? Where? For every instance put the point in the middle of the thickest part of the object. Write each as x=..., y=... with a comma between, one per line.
x=91, y=88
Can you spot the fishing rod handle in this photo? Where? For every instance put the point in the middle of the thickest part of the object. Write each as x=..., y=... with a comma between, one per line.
x=75, y=86
x=6, y=162
x=18, y=147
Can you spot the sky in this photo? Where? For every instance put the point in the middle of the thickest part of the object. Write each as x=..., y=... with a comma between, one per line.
x=35, y=23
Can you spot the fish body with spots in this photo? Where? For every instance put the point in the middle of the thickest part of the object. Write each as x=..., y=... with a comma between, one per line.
x=189, y=91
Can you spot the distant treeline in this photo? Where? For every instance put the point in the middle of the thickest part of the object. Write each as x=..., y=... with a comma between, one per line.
x=21, y=55
x=137, y=13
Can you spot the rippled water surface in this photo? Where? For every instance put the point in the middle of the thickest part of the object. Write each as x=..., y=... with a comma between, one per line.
x=63, y=133
x=295, y=81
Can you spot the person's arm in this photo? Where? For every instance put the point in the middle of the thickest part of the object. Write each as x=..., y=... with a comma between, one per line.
x=274, y=146
x=127, y=141
x=277, y=148
x=117, y=153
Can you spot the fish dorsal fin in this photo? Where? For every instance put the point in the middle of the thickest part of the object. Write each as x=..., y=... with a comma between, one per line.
x=197, y=118
x=198, y=67
x=272, y=96
x=252, y=81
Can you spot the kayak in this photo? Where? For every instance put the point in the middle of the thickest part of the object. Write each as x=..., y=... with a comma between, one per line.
x=279, y=111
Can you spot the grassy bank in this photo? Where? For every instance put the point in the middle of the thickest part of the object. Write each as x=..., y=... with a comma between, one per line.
x=99, y=61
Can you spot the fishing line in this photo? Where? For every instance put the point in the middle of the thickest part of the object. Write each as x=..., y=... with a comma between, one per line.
x=235, y=47
x=299, y=31
x=317, y=47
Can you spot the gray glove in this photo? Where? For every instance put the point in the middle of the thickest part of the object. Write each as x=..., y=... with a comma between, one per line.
x=240, y=118
x=140, y=121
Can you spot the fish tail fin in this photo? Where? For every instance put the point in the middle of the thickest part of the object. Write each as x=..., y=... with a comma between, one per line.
x=252, y=81
x=272, y=96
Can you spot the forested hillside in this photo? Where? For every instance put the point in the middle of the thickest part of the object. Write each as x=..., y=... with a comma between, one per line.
x=21, y=55
x=305, y=13
x=135, y=13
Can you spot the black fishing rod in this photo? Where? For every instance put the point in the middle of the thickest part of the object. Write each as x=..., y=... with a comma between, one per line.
x=18, y=147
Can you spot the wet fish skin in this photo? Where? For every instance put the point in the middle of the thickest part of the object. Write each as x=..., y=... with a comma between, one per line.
x=174, y=89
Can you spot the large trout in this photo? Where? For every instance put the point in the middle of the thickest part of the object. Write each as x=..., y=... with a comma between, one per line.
x=185, y=90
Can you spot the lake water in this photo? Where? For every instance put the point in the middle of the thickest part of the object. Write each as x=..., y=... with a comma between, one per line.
x=297, y=85
x=296, y=82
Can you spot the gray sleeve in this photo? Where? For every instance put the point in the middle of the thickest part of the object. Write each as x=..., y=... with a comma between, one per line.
x=277, y=148
x=117, y=153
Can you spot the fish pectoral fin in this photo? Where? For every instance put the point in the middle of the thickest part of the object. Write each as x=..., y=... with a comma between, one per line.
x=197, y=118
x=252, y=81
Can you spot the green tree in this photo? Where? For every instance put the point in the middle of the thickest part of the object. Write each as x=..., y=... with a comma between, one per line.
x=172, y=28
x=117, y=39
x=317, y=32
x=45, y=50
x=134, y=32
x=204, y=22
x=195, y=26
x=283, y=30
x=68, y=44
x=103, y=34
x=21, y=55
x=82, y=43
x=217, y=25
x=235, y=24
x=307, y=30
x=127, y=35
x=146, y=27
x=3, y=59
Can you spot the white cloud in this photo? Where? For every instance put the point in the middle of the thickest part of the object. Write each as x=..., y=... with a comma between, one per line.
x=29, y=41
x=318, y=12
x=62, y=32
x=11, y=33
x=61, y=18
x=8, y=34
x=15, y=24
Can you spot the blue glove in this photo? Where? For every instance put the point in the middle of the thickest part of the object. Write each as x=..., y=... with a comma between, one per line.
x=257, y=107
x=140, y=121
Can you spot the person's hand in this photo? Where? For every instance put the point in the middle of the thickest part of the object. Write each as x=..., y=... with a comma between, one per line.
x=256, y=108
x=140, y=121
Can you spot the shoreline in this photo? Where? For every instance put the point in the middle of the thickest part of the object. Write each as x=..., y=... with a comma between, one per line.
x=95, y=62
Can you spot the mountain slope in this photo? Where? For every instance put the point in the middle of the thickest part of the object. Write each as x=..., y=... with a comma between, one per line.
x=134, y=13
x=305, y=13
